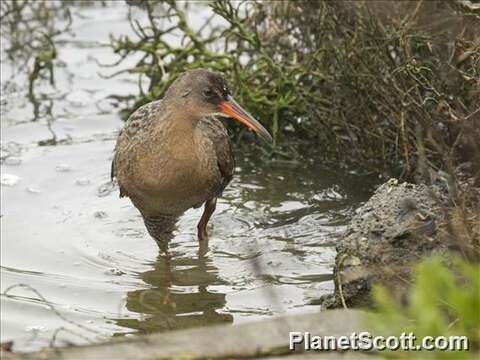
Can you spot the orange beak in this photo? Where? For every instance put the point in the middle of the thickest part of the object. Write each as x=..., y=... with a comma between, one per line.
x=231, y=108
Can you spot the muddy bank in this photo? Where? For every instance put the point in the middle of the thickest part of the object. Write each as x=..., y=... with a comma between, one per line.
x=395, y=228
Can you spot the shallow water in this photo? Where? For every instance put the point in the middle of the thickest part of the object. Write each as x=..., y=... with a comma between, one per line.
x=67, y=234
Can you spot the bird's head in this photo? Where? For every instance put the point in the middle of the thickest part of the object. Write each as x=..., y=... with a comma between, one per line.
x=207, y=93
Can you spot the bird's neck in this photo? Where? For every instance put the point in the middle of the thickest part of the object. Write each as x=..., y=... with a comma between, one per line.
x=176, y=134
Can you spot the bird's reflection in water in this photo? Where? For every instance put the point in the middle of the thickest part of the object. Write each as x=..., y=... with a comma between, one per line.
x=180, y=294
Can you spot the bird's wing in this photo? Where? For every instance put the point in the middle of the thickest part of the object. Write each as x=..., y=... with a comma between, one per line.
x=137, y=123
x=223, y=150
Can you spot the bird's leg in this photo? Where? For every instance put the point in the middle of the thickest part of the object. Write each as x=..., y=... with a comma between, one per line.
x=210, y=206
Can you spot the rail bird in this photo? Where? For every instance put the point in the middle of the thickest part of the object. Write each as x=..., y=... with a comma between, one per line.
x=175, y=154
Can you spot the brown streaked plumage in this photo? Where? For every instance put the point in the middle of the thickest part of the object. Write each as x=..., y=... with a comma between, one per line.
x=174, y=153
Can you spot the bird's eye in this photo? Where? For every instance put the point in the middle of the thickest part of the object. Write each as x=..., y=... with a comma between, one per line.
x=208, y=93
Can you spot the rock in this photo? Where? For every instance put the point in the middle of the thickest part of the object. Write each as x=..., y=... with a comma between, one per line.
x=386, y=237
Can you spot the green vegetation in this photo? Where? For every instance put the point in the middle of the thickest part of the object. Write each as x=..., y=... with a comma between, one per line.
x=372, y=83
x=444, y=301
